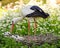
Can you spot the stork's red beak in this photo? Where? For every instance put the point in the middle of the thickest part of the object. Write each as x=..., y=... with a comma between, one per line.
x=12, y=27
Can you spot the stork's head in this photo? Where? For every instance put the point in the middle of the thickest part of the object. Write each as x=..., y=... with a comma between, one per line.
x=12, y=27
x=13, y=23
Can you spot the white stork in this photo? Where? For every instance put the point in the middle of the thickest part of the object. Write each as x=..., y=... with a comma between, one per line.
x=30, y=11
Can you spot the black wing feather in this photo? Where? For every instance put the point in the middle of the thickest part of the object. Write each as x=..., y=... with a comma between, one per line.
x=36, y=8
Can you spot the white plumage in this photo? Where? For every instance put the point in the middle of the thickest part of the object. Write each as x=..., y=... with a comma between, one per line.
x=26, y=10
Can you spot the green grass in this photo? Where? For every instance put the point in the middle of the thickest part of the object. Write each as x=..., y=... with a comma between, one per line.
x=49, y=25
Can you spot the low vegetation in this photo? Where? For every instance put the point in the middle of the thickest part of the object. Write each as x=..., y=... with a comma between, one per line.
x=49, y=25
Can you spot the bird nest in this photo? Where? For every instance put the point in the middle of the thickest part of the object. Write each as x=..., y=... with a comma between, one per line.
x=35, y=39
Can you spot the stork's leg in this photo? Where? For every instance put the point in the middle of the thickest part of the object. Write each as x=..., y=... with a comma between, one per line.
x=35, y=26
x=28, y=27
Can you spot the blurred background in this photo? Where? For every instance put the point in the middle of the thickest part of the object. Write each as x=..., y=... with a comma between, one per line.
x=10, y=9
